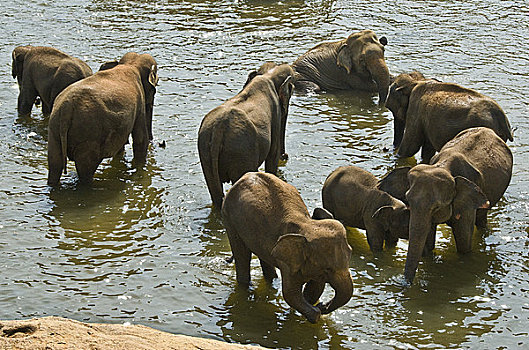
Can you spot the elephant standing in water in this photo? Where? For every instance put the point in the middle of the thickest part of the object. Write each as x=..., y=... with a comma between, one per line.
x=353, y=196
x=93, y=118
x=266, y=216
x=429, y=113
x=44, y=72
x=356, y=62
x=468, y=176
x=246, y=130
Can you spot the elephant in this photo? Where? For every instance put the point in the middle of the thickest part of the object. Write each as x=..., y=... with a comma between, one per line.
x=44, y=72
x=353, y=196
x=246, y=130
x=266, y=216
x=93, y=118
x=466, y=178
x=356, y=62
x=428, y=113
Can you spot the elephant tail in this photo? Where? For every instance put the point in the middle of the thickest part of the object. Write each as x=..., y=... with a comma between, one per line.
x=504, y=127
x=210, y=160
x=64, y=127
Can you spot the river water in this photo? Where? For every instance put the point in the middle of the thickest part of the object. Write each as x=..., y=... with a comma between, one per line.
x=143, y=246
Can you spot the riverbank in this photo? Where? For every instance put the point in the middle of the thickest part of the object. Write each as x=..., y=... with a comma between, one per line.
x=52, y=333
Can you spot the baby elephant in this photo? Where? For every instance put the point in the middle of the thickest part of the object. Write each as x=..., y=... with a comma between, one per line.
x=266, y=216
x=354, y=197
x=93, y=118
x=44, y=72
x=429, y=113
x=246, y=130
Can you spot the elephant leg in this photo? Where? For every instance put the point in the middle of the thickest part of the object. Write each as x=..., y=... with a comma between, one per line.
x=430, y=241
x=87, y=159
x=427, y=152
x=46, y=109
x=242, y=256
x=313, y=291
x=481, y=218
x=272, y=162
x=398, y=131
x=463, y=230
x=140, y=144
x=56, y=159
x=269, y=271
x=26, y=99
x=375, y=237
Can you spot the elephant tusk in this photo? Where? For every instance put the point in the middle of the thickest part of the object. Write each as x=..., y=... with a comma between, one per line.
x=485, y=205
x=458, y=216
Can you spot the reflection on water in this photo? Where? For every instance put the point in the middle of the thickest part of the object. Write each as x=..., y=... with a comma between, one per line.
x=144, y=246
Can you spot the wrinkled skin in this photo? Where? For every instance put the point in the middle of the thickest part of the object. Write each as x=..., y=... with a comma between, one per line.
x=467, y=177
x=352, y=195
x=429, y=113
x=354, y=63
x=266, y=216
x=247, y=130
x=44, y=72
x=93, y=118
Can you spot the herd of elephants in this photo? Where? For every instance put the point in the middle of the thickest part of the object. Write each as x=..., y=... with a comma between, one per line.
x=466, y=165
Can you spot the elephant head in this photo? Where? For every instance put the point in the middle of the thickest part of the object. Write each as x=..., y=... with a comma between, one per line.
x=311, y=255
x=17, y=66
x=362, y=53
x=395, y=219
x=148, y=70
x=398, y=99
x=435, y=196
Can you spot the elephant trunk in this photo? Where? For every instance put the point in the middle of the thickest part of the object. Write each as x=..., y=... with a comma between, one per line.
x=420, y=226
x=380, y=74
x=342, y=283
x=148, y=115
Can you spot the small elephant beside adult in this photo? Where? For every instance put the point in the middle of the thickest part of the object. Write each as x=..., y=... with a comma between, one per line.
x=354, y=197
x=93, y=118
x=44, y=72
x=266, y=216
x=354, y=63
x=247, y=130
x=466, y=178
x=429, y=113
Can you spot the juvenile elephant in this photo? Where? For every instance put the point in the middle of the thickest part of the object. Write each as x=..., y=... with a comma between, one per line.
x=44, y=72
x=353, y=196
x=468, y=176
x=246, y=130
x=93, y=118
x=428, y=113
x=266, y=216
x=356, y=62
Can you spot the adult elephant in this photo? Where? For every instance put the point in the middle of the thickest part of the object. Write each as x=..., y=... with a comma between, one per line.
x=266, y=216
x=356, y=62
x=44, y=72
x=428, y=113
x=467, y=177
x=246, y=130
x=93, y=118
x=353, y=196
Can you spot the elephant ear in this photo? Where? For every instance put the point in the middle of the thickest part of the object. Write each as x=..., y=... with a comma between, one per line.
x=153, y=76
x=344, y=59
x=251, y=75
x=290, y=252
x=396, y=183
x=468, y=195
x=108, y=65
x=285, y=92
x=384, y=215
x=321, y=214
x=19, y=54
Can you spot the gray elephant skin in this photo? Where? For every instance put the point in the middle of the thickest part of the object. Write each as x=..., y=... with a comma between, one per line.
x=354, y=197
x=354, y=63
x=466, y=178
x=93, y=118
x=429, y=113
x=266, y=216
x=247, y=130
x=44, y=72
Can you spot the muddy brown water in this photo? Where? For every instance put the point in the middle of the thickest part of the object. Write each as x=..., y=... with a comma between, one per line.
x=142, y=246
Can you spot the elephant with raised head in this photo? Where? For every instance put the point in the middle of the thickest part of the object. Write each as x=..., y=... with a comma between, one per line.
x=93, y=118
x=353, y=196
x=467, y=177
x=247, y=130
x=266, y=216
x=354, y=63
x=428, y=113
x=44, y=72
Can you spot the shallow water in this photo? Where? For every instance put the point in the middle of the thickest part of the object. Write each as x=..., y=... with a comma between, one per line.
x=142, y=246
